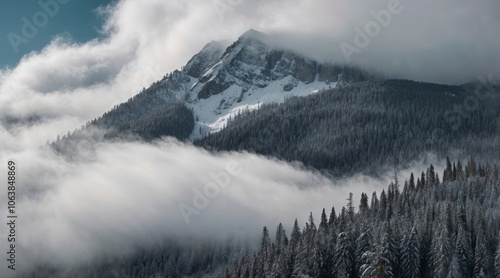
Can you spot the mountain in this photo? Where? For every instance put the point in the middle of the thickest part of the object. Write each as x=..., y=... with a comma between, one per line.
x=250, y=72
x=218, y=83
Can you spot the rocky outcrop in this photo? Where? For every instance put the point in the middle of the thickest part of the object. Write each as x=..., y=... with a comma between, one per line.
x=251, y=62
x=212, y=88
x=204, y=59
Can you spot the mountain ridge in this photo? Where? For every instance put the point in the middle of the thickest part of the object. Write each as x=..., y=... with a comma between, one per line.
x=220, y=82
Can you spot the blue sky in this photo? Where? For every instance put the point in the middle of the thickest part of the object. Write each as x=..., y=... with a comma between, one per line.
x=76, y=19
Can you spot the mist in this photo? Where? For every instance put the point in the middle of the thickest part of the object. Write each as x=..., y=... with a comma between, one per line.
x=130, y=194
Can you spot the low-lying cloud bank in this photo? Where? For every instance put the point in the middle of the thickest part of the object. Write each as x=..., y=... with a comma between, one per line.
x=130, y=195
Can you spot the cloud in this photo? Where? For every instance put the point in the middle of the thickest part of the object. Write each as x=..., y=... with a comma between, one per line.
x=129, y=195
x=449, y=41
x=141, y=44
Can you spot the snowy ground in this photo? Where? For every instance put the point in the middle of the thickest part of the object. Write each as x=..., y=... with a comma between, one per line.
x=213, y=113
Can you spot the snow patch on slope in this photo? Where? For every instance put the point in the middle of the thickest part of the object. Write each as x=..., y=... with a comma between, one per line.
x=213, y=114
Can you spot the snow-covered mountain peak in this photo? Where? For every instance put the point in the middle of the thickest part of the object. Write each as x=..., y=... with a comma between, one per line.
x=251, y=63
x=219, y=82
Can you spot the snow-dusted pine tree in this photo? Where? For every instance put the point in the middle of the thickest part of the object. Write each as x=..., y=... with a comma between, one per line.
x=410, y=255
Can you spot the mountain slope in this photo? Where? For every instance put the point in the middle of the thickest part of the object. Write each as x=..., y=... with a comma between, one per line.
x=365, y=126
x=218, y=83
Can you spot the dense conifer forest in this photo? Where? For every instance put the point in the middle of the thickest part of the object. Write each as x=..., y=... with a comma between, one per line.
x=364, y=126
x=422, y=227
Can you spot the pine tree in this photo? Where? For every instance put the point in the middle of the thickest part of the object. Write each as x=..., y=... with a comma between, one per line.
x=463, y=252
x=332, y=218
x=374, y=203
x=311, y=222
x=324, y=222
x=302, y=267
x=470, y=168
x=321, y=262
x=363, y=249
x=480, y=256
x=385, y=260
x=264, y=253
x=430, y=176
x=350, y=207
x=412, y=182
x=281, y=239
x=383, y=205
x=410, y=256
x=344, y=256
x=295, y=236
x=363, y=204
x=441, y=253
x=448, y=171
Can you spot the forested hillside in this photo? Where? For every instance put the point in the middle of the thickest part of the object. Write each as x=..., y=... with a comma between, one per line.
x=153, y=113
x=430, y=225
x=174, y=119
x=156, y=111
x=364, y=126
x=423, y=227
